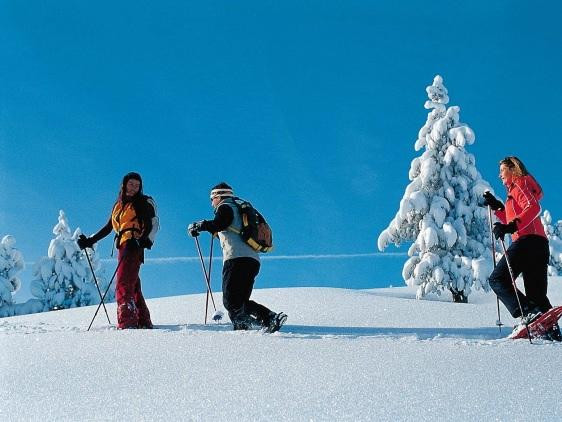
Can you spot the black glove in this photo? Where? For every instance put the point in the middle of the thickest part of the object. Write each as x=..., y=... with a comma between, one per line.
x=492, y=201
x=500, y=230
x=132, y=244
x=85, y=242
x=194, y=228
x=145, y=242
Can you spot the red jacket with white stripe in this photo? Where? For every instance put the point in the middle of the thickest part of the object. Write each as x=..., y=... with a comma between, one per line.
x=522, y=205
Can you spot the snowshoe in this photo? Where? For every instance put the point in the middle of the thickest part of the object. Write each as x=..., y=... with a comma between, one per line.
x=539, y=325
x=525, y=321
x=276, y=322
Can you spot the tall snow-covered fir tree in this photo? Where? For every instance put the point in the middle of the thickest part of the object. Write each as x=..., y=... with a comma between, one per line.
x=554, y=233
x=63, y=278
x=440, y=210
x=11, y=264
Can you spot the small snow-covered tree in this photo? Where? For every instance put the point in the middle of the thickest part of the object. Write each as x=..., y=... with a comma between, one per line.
x=440, y=210
x=63, y=278
x=11, y=264
x=554, y=233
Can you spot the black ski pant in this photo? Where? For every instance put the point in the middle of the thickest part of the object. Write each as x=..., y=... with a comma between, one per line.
x=238, y=276
x=528, y=256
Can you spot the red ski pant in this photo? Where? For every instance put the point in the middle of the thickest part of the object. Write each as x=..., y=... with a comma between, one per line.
x=132, y=311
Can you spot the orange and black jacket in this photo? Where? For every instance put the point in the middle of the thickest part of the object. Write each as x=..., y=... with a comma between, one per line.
x=135, y=219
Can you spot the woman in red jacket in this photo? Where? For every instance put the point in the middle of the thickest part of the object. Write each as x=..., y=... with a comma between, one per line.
x=529, y=253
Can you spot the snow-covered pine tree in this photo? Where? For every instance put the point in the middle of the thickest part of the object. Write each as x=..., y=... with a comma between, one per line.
x=554, y=233
x=440, y=211
x=63, y=278
x=11, y=264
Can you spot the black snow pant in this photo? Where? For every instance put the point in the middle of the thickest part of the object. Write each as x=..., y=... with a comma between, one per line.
x=528, y=255
x=238, y=276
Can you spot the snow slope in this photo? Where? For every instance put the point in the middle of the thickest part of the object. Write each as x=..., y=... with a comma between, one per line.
x=343, y=355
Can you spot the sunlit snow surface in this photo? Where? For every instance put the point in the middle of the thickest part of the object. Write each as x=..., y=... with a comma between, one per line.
x=343, y=355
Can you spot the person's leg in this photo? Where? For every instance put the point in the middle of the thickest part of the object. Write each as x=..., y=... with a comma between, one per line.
x=535, y=273
x=262, y=314
x=144, y=313
x=127, y=276
x=502, y=285
x=236, y=291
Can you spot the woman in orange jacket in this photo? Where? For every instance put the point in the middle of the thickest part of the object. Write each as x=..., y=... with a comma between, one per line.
x=134, y=220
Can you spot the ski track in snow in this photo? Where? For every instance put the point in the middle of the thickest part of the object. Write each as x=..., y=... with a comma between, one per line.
x=343, y=355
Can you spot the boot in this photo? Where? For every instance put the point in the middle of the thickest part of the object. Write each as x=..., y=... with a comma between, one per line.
x=127, y=315
x=246, y=322
x=527, y=319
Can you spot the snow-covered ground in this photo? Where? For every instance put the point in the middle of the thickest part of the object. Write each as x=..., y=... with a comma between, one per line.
x=343, y=355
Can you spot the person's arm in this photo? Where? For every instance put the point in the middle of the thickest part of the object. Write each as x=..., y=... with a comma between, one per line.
x=223, y=218
x=103, y=232
x=87, y=242
x=501, y=215
x=151, y=223
x=530, y=207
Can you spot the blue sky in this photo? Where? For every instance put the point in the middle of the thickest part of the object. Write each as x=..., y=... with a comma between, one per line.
x=310, y=109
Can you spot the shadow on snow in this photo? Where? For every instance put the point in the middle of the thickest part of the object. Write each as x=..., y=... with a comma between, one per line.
x=421, y=333
x=315, y=332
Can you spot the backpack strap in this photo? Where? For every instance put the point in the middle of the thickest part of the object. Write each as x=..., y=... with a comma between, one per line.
x=243, y=216
x=235, y=200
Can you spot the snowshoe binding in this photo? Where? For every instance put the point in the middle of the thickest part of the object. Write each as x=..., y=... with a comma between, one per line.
x=276, y=322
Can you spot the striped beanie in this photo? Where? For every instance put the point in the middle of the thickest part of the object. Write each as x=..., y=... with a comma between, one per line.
x=221, y=190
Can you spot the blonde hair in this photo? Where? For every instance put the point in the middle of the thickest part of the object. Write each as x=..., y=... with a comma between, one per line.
x=515, y=165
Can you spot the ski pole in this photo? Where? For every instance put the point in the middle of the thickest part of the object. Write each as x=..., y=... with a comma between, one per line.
x=97, y=285
x=105, y=293
x=209, y=275
x=209, y=291
x=515, y=288
x=217, y=316
x=499, y=321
